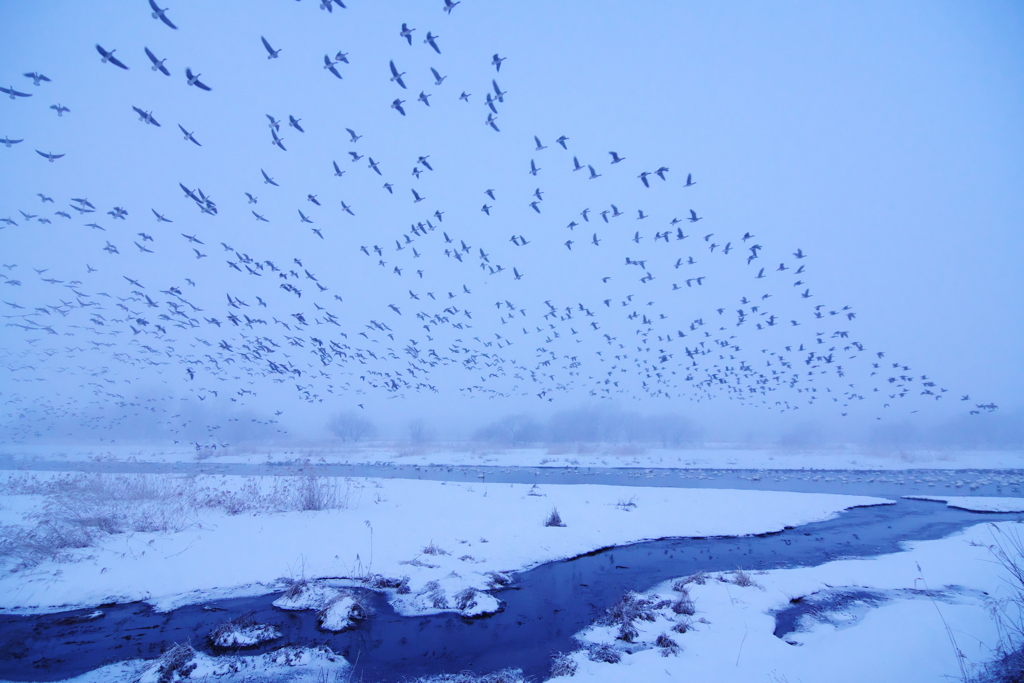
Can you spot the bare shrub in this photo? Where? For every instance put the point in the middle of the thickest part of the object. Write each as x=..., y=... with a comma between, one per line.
x=682, y=626
x=317, y=493
x=434, y=550
x=685, y=606
x=604, y=653
x=1008, y=664
x=626, y=505
x=295, y=589
x=699, y=578
x=498, y=579
x=563, y=664
x=378, y=582
x=503, y=676
x=628, y=632
x=176, y=663
x=631, y=607
x=742, y=579
x=667, y=645
x=554, y=519
x=79, y=510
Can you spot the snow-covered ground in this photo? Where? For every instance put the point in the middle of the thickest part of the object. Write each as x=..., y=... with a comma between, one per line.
x=434, y=546
x=446, y=537
x=928, y=602
x=582, y=455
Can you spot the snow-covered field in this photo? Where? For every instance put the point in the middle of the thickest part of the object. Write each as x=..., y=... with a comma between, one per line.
x=926, y=604
x=582, y=455
x=440, y=546
x=444, y=536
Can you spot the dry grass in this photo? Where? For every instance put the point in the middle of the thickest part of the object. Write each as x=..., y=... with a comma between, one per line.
x=554, y=519
x=1008, y=664
x=79, y=510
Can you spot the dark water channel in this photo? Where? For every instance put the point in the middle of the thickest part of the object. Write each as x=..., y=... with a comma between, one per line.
x=542, y=609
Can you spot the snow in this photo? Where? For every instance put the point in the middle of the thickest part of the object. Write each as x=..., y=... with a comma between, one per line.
x=977, y=503
x=567, y=455
x=341, y=614
x=730, y=636
x=445, y=537
x=433, y=546
x=287, y=665
x=250, y=635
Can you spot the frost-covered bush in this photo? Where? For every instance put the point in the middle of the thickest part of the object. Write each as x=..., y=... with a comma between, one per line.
x=434, y=550
x=554, y=519
x=563, y=664
x=243, y=632
x=503, y=676
x=603, y=653
x=667, y=645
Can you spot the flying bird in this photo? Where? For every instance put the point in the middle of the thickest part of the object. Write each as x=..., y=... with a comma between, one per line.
x=294, y=123
x=406, y=33
x=438, y=78
x=188, y=135
x=161, y=14
x=193, y=79
x=59, y=108
x=271, y=52
x=36, y=77
x=13, y=94
x=158, y=64
x=329, y=65
x=146, y=116
x=616, y=158
x=7, y=142
x=396, y=75
x=50, y=156
x=430, y=40
x=496, y=61
x=397, y=105
x=109, y=57
x=277, y=141
x=267, y=180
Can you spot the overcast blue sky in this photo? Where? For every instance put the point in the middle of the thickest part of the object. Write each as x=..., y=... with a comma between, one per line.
x=882, y=140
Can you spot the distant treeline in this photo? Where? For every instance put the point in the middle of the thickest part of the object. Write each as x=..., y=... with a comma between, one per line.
x=592, y=425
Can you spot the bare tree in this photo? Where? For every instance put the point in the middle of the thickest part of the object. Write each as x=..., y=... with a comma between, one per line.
x=350, y=426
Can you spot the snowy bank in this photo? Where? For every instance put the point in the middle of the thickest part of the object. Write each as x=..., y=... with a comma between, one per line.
x=721, y=626
x=431, y=546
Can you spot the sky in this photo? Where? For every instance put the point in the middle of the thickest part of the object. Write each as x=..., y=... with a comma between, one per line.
x=881, y=142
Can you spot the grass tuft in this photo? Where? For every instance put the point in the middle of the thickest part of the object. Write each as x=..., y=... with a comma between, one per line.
x=554, y=519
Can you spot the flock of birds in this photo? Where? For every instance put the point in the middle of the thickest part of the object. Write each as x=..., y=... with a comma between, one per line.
x=281, y=323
